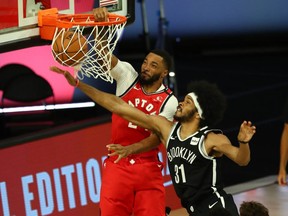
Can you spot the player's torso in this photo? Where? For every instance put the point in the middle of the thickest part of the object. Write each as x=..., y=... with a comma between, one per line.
x=124, y=132
x=193, y=173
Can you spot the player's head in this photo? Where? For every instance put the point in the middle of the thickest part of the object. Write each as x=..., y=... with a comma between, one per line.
x=253, y=208
x=167, y=60
x=155, y=67
x=208, y=103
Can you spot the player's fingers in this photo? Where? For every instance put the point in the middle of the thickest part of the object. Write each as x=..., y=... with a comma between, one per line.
x=112, y=154
x=56, y=69
x=284, y=181
x=118, y=159
x=113, y=146
x=100, y=14
x=281, y=182
x=60, y=71
x=110, y=145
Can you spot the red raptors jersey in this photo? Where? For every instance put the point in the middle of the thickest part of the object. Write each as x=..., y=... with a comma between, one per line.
x=126, y=133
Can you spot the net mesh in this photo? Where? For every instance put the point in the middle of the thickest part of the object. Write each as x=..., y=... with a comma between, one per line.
x=101, y=41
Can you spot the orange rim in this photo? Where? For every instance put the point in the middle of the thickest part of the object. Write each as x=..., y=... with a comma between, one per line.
x=68, y=21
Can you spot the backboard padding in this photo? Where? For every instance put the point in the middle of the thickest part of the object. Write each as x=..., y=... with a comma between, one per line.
x=19, y=18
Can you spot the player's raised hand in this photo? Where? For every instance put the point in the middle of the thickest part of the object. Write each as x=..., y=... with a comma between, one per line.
x=246, y=132
x=101, y=14
x=71, y=80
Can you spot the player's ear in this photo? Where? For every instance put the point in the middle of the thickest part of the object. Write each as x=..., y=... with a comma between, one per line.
x=198, y=115
x=164, y=74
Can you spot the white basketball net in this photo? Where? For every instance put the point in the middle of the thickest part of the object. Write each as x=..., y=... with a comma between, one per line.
x=97, y=60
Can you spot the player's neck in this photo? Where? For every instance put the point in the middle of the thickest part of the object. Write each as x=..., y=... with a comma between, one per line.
x=151, y=88
x=188, y=128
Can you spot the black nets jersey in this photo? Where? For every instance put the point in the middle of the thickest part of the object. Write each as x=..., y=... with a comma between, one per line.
x=195, y=175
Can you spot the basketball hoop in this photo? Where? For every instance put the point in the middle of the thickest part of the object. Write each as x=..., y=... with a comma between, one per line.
x=101, y=40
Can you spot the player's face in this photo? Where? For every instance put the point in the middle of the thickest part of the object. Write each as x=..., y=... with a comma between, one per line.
x=152, y=69
x=185, y=110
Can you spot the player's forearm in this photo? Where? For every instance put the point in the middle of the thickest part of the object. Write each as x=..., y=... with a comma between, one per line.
x=139, y=147
x=145, y=145
x=243, y=156
x=246, y=132
x=106, y=100
x=283, y=155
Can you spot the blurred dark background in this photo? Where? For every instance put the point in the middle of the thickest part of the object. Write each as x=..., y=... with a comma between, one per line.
x=244, y=50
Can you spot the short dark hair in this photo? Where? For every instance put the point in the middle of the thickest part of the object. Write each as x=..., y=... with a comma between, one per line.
x=166, y=57
x=211, y=100
x=253, y=208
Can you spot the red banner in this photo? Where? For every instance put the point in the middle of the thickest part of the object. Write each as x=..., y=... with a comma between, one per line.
x=59, y=175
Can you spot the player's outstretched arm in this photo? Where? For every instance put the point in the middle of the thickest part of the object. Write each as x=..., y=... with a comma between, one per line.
x=113, y=103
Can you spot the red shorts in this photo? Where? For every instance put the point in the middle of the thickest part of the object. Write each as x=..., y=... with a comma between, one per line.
x=132, y=186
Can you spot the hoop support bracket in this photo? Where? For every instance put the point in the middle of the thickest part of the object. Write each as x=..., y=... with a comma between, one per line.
x=47, y=20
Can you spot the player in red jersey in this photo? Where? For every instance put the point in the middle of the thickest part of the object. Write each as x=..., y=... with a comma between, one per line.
x=134, y=185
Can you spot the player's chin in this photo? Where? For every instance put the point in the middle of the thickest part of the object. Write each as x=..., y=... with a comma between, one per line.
x=145, y=80
x=178, y=112
x=177, y=115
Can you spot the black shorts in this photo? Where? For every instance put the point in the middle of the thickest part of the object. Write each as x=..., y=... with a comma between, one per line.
x=203, y=208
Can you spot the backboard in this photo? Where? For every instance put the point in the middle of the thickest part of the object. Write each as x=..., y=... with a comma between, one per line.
x=19, y=18
x=121, y=7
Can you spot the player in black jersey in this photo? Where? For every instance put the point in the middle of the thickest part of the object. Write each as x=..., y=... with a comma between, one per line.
x=193, y=149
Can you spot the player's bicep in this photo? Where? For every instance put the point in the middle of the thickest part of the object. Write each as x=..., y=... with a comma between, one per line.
x=223, y=145
x=125, y=75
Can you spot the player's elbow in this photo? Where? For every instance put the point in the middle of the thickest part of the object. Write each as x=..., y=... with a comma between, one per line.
x=244, y=162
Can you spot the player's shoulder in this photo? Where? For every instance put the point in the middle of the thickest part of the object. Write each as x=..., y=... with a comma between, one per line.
x=215, y=138
x=173, y=101
x=207, y=130
x=174, y=98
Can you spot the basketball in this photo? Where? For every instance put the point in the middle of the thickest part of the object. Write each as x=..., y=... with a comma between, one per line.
x=69, y=48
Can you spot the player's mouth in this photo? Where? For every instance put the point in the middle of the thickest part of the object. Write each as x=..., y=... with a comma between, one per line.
x=144, y=73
